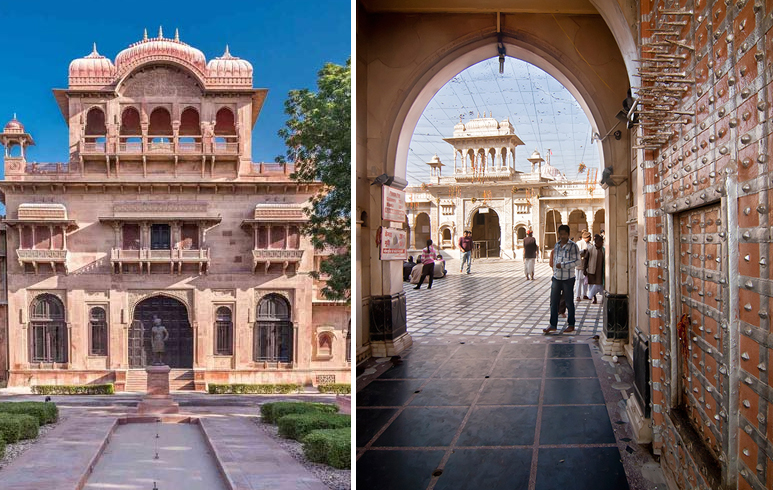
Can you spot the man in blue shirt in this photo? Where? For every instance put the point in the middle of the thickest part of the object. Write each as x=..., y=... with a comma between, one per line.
x=566, y=257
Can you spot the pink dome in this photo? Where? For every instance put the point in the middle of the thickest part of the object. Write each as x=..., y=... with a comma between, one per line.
x=14, y=126
x=159, y=46
x=92, y=66
x=228, y=66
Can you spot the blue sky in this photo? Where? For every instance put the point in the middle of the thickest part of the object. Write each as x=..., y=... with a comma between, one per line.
x=286, y=42
x=543, y=112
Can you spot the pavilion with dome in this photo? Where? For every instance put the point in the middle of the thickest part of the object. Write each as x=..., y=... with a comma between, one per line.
x=158, y=211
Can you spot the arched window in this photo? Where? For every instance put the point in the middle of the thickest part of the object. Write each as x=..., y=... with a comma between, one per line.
x=160, y=122
x=130, y=122
x=189, y=122
x=223, y=332
x=98, y=324
x=325, y=345
x=225, y=122
x=47, y=329
x=273, y=333
x=95, y=122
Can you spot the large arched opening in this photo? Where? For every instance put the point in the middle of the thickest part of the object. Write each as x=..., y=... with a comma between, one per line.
x=174, y=317
x=486, y=233
x=423, y=231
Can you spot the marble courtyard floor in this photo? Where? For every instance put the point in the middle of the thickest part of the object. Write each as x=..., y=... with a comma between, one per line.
x=483, y=400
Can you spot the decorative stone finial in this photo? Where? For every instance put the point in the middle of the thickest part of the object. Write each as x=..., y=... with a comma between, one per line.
x=176, y=34
x=227, y=52
x=94, y=49
x=160, y=32
x=145, y=35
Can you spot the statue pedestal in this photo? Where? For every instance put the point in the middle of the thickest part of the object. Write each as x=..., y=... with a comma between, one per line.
x=157, y=401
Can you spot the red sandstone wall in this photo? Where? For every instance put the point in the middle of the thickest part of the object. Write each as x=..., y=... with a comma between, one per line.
x=720, y=158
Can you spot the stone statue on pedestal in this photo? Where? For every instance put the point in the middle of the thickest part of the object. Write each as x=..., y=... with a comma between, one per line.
x=158, y=335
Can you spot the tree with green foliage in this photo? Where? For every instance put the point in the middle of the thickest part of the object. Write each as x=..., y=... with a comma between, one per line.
x=318, y=139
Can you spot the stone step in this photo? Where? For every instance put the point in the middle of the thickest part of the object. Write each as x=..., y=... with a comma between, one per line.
x=179, y=380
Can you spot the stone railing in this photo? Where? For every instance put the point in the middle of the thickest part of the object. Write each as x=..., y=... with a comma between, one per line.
x=29, y=255
x=145, y=257
x=276, y=256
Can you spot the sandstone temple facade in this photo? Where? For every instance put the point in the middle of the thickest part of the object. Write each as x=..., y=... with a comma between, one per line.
x=498, y=198
x=160, y=211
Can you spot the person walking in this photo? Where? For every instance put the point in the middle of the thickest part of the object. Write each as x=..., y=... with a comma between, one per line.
x=530, y=252
x=594, y=267
x=565, y=257
x=465, y=245
x=582, y=285
x=428, y=259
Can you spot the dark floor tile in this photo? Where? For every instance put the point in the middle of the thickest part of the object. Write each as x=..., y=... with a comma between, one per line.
x=387, y=393
x=422, y=427
x=518, y=368
x=523, y=351
x=582, y=469
x=412, y=369
x=576, y=425
x=570, y=368
x=500, y=426
x=466, y=368
x=370, y=421
x=389, y=470
x=569, y=350
x=510, y=392
x=448, y=392
x=573, y=392
x=478, y=351
x=494, y=469
x=419, y=351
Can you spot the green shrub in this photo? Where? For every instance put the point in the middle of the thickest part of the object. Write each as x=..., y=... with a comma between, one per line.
x=337, y=388
x=45, y=412
x=295, y=426
x=241, y=388
x=271, y=412
x=103, y=389
x=14, y=427
x=329, y=446
x=2, y=447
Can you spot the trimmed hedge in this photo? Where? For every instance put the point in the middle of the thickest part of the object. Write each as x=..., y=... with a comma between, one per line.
x=103, y=389
x=272, y=412
x=15, y=426
x=337, y=388
x=2, y=447
x=240, y=388
x=45, y=412
x=296, y=426
x=329, y=446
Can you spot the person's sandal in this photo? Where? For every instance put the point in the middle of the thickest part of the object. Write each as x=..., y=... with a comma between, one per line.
x=546, y=331
x=568, y=330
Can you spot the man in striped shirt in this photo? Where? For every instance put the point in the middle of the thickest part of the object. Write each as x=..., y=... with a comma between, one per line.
x=566, y=256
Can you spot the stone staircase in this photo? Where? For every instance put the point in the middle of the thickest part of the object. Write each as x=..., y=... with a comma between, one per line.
x=179, y=380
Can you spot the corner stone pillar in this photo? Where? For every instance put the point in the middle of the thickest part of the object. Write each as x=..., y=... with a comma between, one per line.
x=615, y=332
x=388, y=317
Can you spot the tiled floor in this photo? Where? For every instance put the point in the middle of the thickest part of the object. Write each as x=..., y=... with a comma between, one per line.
x=495, y=300
x=488, y=416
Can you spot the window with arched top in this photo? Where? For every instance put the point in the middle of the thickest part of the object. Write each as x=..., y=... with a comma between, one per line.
x=189, y=122
x=225, y=122
x=48, y=334
x=325, y=345
x=160, y=122
x=98, y=331
x=95, y=122
x=273, y=332
x=223, y=331
x=130, y=122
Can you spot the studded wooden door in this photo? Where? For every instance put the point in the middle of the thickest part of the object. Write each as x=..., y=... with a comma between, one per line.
x=702, y=332
x=137, y=351
x=174, y=316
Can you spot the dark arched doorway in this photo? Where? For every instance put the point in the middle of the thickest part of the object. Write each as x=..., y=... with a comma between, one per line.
x=174, y=316
x=423, y=231
x=486, y=235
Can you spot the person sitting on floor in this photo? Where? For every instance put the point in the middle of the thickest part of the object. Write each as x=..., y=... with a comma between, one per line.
x=440, y=267
x=407, y=268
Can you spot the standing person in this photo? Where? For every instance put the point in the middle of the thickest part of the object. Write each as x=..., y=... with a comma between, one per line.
x=582, y=286
x=428, y=259
x=465, y=245
x=565, y=257
x=530, y=252
x=594, y=267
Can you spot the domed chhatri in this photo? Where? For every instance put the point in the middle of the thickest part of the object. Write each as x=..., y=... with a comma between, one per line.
x=14, y=126
x=229, y=66
x=92, y=66
x=161, y=47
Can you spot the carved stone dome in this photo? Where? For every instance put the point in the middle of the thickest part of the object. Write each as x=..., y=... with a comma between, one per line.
x=92, y=66
x=14, y=126
x=159, y=48
x=228, y=66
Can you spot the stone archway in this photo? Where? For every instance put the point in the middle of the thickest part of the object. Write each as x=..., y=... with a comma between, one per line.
x=174, y=316
x=598, y=221
x=422, y=231
x=552, y=222
x=577, y=222
x=486, y=233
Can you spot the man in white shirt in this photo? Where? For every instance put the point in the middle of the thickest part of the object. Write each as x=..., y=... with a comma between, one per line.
x=580, y=286
x=565, y=259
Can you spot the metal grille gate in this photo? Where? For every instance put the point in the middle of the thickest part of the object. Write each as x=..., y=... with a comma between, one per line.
x=704, y=343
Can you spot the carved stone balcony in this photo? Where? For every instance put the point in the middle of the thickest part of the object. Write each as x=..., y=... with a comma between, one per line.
x=145, y=258
x=37, y=257
x=276, y=256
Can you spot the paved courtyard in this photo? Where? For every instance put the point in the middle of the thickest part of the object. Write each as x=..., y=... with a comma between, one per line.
x=495, y=300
